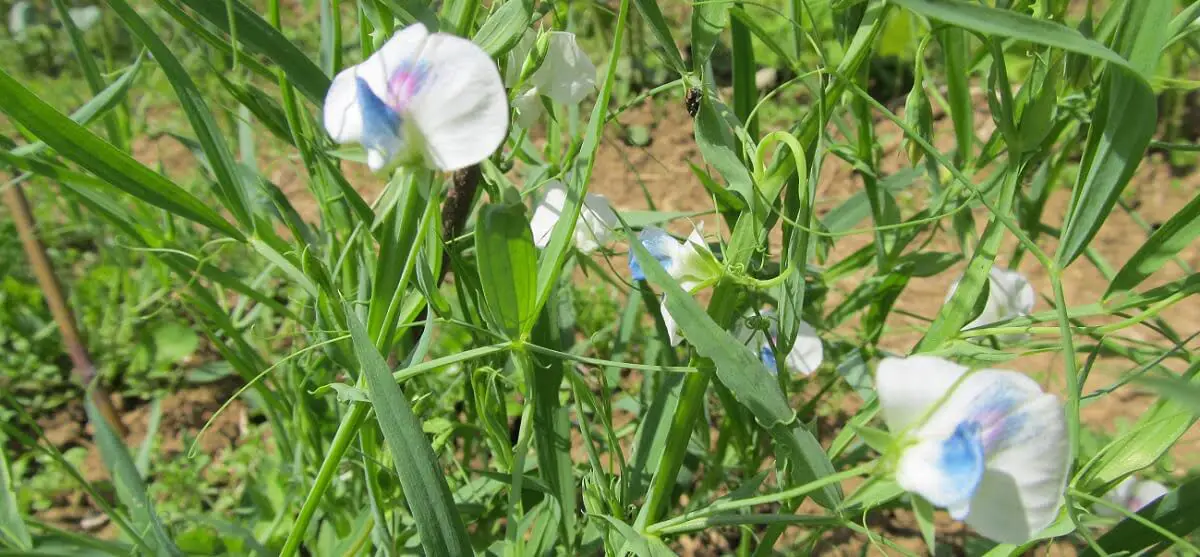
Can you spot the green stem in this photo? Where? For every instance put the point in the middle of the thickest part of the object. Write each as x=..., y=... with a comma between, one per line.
x=346, y=432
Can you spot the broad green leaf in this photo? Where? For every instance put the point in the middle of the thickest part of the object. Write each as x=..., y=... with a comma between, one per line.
x=662, y=34
x=503, y=29
x=12, y=527
x=425, y=490
x=720, y=148
x=258, y=37
x=230, y=187
x=1123, y=122
x=743, y=373
x=507, y=262
x=1177, y=512
x=709, y=19
x=84, y=148
x=1148, y=440
x=1171, y=238
x=128, y=483
x=1182, y=392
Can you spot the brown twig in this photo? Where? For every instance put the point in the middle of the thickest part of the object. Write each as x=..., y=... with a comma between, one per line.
x=18, y=205
x=456, y=209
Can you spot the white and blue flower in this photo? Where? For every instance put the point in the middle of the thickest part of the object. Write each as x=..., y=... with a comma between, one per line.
x=1009, y=295
x=1133, y=494
x=566, y=75
x=691, y=263
x=806, y=354
x=423, y=98
x=595, y=226
x=989, y=446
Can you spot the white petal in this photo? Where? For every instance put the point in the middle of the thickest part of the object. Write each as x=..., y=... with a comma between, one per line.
x=460, y=110
x=528, y=108
x=516, y=58
x=566, y=74
x=1009, y=295
x=342, y=115
x=597, y=220
x=807, y=352
x=1024, y=442
x=672, y=328
x=909, y=387
x=661, y=246
x=548, y=212
x=694, y=261
x=1022, y=489
x=1145, y=493
x=945, y=470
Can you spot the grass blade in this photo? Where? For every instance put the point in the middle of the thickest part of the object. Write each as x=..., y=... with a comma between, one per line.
x=1172, y=237
x=112, y=165
x=425, y=489
x=230, y=187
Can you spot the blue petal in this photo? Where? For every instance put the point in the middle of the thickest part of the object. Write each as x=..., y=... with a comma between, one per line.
x=768, y=358
x=659, y=244
x=962, y=462
x=381, y=125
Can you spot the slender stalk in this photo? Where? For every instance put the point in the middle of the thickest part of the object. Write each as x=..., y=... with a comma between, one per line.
x=346, y=433
x=43, y=270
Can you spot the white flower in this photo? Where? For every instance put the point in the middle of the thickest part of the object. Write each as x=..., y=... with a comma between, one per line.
x=690, y=263
x=423, y=98
x=807, y=352
x=566, y=75
x=1009, y=295
x=989, y=446
x=596, y=218
x=1133, y=494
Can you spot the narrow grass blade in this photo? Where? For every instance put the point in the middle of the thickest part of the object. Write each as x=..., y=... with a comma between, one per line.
x=551, y=261
x=1171, y=238
x=91, y=71
x=1123, y=123
x=260, y=38
x=662, y=34
x=130, y=488
x=230, y=187
x=955, y=56
x=13, y=532
x=425, y=489
x=113, y=166
x=709, y=19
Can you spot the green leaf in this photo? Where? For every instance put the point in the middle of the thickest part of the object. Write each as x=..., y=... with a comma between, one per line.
x=113, y=166
x=709, y=19
x=1154, y=434
x=259, y=37
x=1181, y=391
x=503, y=29
x=507, y=262
x=425, y=489
x=1177, y=512
x=1172, y=237
x=230, y=187
x=635, y=542
x=130, y=489
x=12, y=527
x=173, y=342
x=719, y=148
x=662, y=34
x=1123, y=122
x=743, y=373
x=956, y=56
x=99, y=105
x=924, y=513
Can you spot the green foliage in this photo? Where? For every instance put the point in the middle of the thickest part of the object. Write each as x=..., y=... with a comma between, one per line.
x=413, y=376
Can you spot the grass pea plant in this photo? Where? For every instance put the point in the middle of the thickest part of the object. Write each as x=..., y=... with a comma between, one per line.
x=485, y=355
